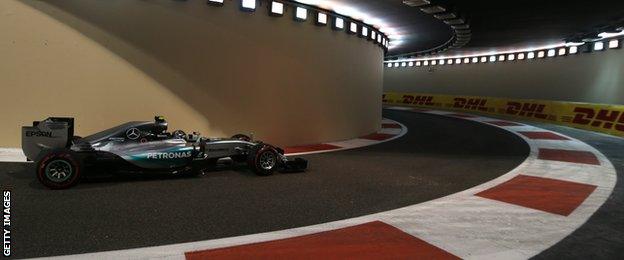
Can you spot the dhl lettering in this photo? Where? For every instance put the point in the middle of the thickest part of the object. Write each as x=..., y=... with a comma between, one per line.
x=526, y=109
x=471, y=104
x=418, y=100
x=604, y=118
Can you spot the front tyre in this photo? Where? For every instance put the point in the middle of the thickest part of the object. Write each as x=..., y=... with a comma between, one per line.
x=264, y=161
x=59, y=169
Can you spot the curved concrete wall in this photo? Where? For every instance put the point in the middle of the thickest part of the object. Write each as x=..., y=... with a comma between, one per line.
x=587, y=77
x=213, y=69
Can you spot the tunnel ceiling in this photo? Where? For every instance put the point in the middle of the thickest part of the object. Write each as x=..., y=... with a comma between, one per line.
x=495, y=24
x=498, y=23
x=408, y=27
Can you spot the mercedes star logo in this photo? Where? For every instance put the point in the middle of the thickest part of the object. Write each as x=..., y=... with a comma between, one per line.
x=133, y=133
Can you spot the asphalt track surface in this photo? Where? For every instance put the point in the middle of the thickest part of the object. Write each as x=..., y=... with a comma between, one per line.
x=437, y=157
x=602, y=236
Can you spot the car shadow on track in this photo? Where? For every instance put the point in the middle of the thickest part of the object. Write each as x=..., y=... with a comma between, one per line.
x=24, y=173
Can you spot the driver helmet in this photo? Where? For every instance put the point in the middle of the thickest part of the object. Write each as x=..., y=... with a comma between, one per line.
x=161, y=124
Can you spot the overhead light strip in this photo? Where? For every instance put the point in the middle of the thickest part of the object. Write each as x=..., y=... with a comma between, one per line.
x=322, y=17
x=546, y=52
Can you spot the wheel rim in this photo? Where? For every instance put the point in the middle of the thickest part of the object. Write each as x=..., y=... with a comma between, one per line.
x=58, y=170
x=267, y=160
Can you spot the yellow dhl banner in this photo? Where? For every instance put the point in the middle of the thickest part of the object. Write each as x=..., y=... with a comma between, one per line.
x=596, y=117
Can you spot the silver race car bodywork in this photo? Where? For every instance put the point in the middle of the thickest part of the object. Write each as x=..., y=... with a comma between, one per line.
x=141, y=147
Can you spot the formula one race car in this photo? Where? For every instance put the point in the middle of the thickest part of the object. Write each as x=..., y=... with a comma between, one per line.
x=140, y=148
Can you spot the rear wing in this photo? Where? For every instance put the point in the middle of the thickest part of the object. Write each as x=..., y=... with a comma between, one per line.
x=51, y=133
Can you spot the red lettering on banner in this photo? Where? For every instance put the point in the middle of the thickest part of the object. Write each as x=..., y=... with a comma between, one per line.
x=620, y=126
x=526, y=109
x=583, y=115
x=418, y=100
x=424, y=100
x=459, y=103
x=608, y=116
x=604, y=118
x=471, y=104
x=408, y=99
x=513, y=108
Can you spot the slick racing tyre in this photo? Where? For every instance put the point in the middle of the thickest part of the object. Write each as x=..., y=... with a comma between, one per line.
x=263, y=160
x=59, y=169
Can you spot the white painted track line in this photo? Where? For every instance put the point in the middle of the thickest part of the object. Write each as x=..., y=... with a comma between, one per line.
x=12, y=155
x=466, y=225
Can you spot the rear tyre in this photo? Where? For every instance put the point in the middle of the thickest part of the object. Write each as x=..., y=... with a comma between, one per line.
x=59, y=169
x=263, y=160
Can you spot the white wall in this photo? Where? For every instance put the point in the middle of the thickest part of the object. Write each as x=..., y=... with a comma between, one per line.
x=594, y=77
x=213, y=69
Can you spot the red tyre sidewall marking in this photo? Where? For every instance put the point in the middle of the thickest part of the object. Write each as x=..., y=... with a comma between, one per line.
x=64, y=156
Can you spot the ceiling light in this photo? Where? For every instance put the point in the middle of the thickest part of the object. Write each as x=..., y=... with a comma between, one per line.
x=389, y=65
x=215, y=2
x=598, y=46
x=511, y=57
x=396, y=64
x=501, y=58
x=449, y=61
x=353, y=27
x=492, y=58
x=364, y=31
x=540, y=54
x=338, y=23
x=521, y=56
x=460, y=26
x=483, y=59
x=614, y=44
x=612, y=34
x=466, y=60
x=574, y=44
x=248, y=5
x=458, y=61
x=562, y=51
x=277, y=8
x=573, y=50
x=454, y=21
x=321, y=18
x=433, y=9
x=445, y=16
x=426, y=63
x=416, y=3
x=301, y=14
x=551, y=53
x=434, y=62
x=411, y=64
x=403, y=64
x=531, y=55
